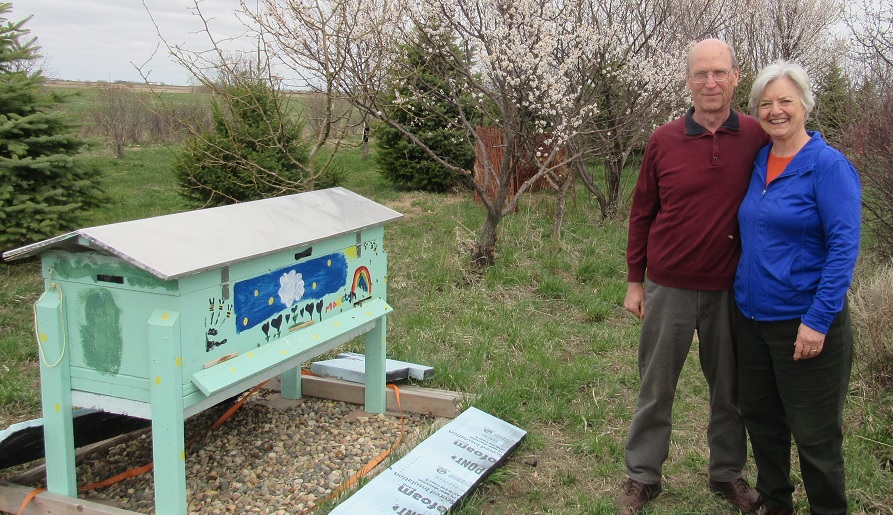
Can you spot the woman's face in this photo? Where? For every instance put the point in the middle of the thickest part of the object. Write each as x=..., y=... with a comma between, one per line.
x=780, y=111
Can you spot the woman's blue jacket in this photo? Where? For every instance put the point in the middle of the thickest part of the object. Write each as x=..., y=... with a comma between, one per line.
x=799, y=237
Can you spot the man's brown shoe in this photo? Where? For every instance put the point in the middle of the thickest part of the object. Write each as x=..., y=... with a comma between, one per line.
x=772, y=510
x=739, y=493
x=635, y=495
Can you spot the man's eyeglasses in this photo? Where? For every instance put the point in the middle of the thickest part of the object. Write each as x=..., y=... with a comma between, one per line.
x=718, y=76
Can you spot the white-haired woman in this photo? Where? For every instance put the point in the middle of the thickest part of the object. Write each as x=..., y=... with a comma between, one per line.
x=800, y=222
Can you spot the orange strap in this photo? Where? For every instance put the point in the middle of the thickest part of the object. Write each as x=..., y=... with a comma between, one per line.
x=146, y=468
x=117, y=478
x=31, y=495
x=378, y=459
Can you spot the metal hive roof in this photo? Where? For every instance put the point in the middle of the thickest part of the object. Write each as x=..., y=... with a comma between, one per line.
x=181, y=244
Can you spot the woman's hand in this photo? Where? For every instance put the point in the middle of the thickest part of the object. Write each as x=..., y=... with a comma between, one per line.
x=809, y=343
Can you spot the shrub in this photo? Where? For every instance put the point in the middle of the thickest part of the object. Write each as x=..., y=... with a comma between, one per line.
x=868, y=143
x=414, y=102
x=119, y=115
x=126, y=116
x=255, y=150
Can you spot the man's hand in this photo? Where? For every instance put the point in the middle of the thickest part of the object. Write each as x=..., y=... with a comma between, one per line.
x=635, y=300
x=809, y=343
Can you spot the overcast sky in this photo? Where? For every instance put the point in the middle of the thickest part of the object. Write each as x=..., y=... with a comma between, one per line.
x=104, y=39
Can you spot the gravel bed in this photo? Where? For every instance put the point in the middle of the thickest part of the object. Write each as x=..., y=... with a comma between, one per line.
x=265, y=459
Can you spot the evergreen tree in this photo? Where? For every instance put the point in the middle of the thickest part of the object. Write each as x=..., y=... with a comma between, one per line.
x=44, y=183
x=255, y=149
x=417, y=102
x=835, y=105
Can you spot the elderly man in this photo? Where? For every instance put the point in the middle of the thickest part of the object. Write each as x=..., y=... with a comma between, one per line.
x=683, y=231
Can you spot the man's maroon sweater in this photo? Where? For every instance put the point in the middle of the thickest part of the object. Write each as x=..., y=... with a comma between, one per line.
x=683, y=225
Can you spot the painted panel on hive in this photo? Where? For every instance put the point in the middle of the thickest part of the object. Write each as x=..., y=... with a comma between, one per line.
x=261, y=298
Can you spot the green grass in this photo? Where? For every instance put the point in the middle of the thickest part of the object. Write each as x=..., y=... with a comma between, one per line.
x=540, y=339
x=20, y=286
x=139, y=185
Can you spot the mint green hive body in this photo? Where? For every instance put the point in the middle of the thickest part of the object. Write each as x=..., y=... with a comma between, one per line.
x=163, y=317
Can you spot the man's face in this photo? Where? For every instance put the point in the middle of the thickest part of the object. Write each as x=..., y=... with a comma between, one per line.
x=709, y=61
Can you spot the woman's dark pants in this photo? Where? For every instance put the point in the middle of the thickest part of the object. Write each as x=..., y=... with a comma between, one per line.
x=780, y=398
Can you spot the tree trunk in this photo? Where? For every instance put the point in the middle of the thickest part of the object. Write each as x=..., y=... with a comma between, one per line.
x=483, y=254
x=564, y=189
x=365, y=140
x=613, y=169
x=593, y=188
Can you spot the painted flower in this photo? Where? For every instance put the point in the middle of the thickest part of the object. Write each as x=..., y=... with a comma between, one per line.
x=291, y=288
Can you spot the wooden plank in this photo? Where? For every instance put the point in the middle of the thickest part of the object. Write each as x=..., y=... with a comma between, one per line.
x=414, y=399
x=49, y=503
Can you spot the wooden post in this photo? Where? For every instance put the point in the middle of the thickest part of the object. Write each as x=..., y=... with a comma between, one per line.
x=375, y=367
x=166, y=396
x=291, y=383
x=55, y=393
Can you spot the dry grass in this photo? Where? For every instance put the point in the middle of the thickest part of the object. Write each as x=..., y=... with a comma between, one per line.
x=871, y=302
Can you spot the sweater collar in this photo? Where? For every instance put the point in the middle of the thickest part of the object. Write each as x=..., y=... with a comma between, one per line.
x=693, y=128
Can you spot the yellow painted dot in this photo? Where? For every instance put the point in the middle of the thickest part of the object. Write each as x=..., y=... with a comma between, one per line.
x=256, y=293
x=43, y=337
x=245, y=321
x=314, y=285
x=329, y=263
x=336, y=323
x=316, y=337
x=157, y=379
x=183, y=455
x=165, y=316
x=233, y=370
x=282, y=351
x=250, y=354
x=368, y=313
x=178, y=362
x=57, y=407
x=271, y=301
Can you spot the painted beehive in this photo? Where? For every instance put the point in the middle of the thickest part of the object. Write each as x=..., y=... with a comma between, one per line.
x=163, y=317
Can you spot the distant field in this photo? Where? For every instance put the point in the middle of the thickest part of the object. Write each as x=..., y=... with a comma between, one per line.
x=139, y=86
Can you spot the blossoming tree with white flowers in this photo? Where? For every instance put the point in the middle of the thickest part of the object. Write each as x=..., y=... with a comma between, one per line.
x=526, y=64
x=641, y=89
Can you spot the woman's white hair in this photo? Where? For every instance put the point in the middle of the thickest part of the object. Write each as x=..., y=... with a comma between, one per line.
x=782, y=68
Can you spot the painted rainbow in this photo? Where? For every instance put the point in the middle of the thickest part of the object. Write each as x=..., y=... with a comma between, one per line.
x=362, y=280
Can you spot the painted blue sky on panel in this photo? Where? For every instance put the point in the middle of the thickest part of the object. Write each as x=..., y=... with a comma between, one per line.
x=262, y=297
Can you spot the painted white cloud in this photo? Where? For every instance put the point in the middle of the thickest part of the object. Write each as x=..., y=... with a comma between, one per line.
x=291, y=288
